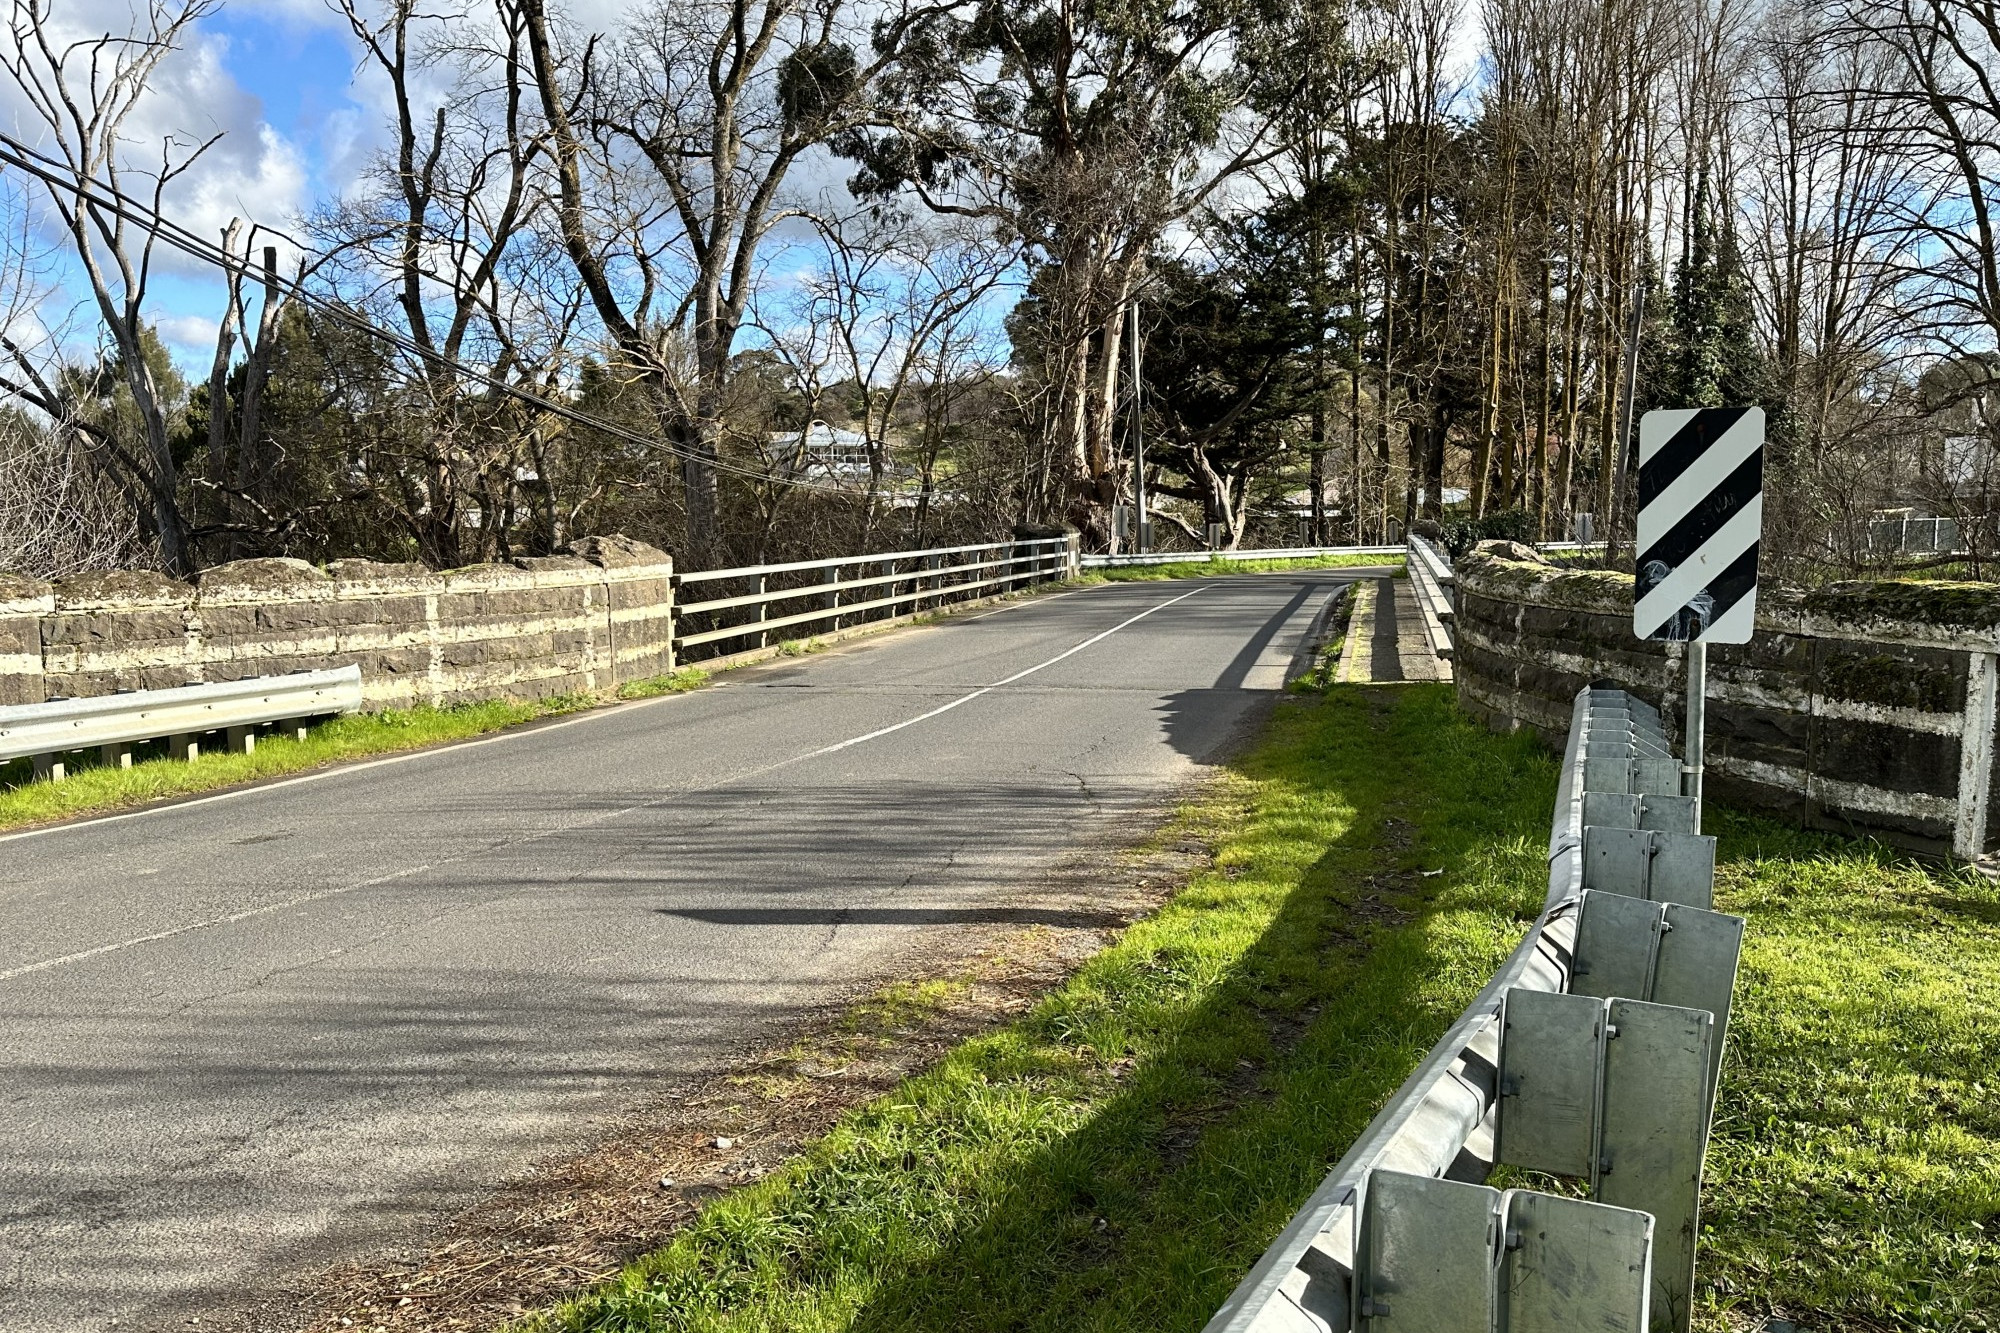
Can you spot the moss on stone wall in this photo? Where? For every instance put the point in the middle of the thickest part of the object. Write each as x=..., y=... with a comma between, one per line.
x=1512, y=572
x=1889, y=681
x=1949, y=605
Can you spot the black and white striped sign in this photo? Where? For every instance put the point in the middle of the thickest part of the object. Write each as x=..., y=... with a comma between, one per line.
x=1701, y=511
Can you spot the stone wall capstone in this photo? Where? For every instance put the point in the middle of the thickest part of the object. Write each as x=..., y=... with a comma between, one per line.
x=1850, y=708
x=536, y=627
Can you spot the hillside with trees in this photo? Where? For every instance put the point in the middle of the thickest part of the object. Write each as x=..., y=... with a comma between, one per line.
x=768, y=279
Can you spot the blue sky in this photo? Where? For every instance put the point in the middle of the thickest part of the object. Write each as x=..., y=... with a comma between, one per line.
x=295, y=64
x=276, y=79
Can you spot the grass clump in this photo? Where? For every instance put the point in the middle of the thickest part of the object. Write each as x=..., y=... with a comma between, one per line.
x=673, y=682
x=1118, y=1158
x=1196, y=569
x=1325, y=668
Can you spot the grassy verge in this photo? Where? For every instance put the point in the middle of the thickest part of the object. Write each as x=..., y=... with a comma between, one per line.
x=1116, y=1159
x=1195, y=569
x=1326, y=653
x=98, y=789
x=1854, y=1176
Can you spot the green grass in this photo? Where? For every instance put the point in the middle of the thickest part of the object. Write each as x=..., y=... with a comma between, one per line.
x=1854, y=1176
x=1195, y=569
x=674, y=682
x=1326, y=654
x=1116, y=1159
x=100, y=789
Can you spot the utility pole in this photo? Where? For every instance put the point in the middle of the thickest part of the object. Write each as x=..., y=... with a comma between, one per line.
x=1138, y=439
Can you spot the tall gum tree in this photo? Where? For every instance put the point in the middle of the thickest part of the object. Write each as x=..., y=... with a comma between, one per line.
x=1089, y=131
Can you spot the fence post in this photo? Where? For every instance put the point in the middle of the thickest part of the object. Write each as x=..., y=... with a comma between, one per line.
x=833, y=595
x=1975, y=758
x=763, y=610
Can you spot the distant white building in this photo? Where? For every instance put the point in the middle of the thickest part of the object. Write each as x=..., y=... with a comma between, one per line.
x=844, y=453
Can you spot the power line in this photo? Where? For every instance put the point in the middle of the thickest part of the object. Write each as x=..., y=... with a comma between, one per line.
x=61, y=175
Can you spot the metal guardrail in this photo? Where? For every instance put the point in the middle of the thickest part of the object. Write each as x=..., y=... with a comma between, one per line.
x=909, y=582
x=1431, y=579
x=1202, y=557
x=1594, y=1053
x=112, y=724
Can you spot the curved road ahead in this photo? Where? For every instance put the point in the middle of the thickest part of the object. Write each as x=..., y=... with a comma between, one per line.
x=256, y=1033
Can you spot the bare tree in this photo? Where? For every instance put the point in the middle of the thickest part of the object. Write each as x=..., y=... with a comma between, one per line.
x=672, y=145
x=885, y=291
x=440, y=244
x=83, y=92
x=1826, y=182
x=1946, y=102
x=59, y=513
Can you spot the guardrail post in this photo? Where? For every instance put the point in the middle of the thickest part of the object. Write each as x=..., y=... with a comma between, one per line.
x=1567, y=1264
x=833, y=597
x=1650, y=864
x=1654, y=1136
x=242, y=740
x=763, y=610
x=185, y=746
x=119, y=754
x=1424, y=1255
x=1615, y=1091
x=50, y=768
x=1439, y=1256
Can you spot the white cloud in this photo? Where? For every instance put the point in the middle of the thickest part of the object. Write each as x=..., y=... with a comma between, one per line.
x=249, y=169
x=192, y=336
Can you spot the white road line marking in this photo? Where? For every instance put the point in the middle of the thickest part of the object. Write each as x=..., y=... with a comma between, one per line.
x=338, y=769
x=234, y=917
x=988, y=689
x=229, y=920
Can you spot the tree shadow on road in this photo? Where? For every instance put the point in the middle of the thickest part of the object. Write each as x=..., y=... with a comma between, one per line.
x=1119, y=1158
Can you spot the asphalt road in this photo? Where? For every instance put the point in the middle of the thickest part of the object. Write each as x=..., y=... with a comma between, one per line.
x=249, y=1035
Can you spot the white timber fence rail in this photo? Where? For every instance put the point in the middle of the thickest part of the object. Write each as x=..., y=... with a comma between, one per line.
x=182, y=716
x=828, y=595
x=1431, y=579
x=1209, y=557
x=1594, y=1053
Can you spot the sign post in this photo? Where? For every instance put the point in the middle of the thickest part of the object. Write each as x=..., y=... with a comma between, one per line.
x=1701, y=515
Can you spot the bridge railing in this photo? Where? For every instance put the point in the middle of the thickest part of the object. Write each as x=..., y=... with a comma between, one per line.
x=1210, y=557
x=757, y=601
x=1431, y=580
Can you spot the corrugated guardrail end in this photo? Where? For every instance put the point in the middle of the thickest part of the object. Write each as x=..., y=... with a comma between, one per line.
x=113, y=723
x=1594, y=1053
